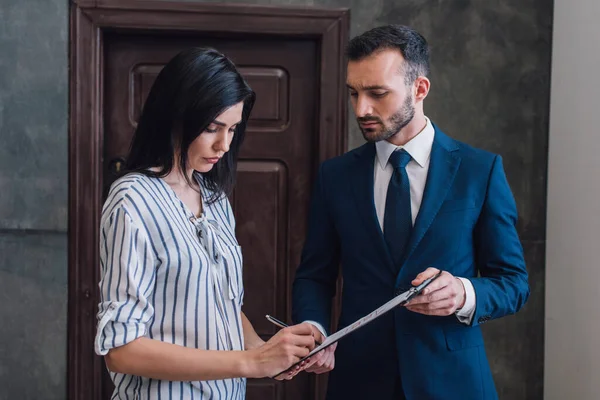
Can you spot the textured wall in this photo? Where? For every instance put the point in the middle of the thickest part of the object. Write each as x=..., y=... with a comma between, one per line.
x=490, y=88
x=490, y=85
x=33, y=198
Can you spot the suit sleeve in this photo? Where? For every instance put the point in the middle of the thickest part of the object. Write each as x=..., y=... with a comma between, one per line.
x=315, y=282
x=502, y=287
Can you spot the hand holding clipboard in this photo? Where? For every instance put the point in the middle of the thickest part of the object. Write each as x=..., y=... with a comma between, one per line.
x=399, y=300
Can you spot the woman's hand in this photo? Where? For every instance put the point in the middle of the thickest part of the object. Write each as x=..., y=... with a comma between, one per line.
x=282, y=351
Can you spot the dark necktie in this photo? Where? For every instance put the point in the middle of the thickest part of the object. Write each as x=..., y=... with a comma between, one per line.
x=397, y=221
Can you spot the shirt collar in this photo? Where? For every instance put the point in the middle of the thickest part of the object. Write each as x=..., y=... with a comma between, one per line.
x=418, y=147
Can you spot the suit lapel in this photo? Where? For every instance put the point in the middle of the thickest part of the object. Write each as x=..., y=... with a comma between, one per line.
x=363, y=189
x=442, y=170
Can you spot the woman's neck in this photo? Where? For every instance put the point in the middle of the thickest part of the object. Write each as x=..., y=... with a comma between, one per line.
x=175, y=178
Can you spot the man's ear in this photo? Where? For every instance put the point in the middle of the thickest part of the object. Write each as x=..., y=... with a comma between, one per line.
x=421, y=88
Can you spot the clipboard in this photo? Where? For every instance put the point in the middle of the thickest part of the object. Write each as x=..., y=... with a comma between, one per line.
x=399, y=300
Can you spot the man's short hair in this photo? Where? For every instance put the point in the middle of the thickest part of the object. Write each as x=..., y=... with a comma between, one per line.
x=411, y=44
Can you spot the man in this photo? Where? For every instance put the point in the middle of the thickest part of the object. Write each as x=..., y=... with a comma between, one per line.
x=393, y=212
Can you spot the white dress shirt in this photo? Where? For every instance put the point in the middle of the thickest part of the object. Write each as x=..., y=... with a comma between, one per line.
x=419, y=149
x=417, y=168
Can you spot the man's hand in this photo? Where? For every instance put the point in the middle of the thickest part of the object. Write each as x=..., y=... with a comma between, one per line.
x=443, y=296
x=323, y=361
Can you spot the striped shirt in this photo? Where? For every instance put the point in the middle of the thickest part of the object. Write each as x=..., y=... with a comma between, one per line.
x=169, y=276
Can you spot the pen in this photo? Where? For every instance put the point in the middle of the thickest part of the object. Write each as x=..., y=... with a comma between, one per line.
x=275, y=321
x=281, y=324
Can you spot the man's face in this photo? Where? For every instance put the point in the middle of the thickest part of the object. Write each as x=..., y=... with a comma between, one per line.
x=382, y=101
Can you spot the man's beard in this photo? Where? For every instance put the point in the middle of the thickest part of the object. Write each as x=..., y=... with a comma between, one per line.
x=399, y=120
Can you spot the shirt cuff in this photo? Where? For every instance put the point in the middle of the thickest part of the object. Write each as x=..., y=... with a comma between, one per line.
x=466, y=313
x=319, y=327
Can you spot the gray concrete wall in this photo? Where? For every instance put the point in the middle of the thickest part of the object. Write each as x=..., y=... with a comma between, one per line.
x=33, y=198
x=490, y=88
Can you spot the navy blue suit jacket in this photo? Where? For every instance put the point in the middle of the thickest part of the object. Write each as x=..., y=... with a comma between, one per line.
x=466, y=225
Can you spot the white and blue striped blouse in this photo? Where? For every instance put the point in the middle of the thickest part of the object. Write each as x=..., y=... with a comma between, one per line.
x=169, y=276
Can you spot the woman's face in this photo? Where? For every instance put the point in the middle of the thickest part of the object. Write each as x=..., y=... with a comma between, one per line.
x=208, y=148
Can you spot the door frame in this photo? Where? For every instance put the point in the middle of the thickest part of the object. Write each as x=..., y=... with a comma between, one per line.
x=89, y=21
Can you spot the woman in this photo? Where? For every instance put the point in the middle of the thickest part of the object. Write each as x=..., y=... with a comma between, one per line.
x=170, y=319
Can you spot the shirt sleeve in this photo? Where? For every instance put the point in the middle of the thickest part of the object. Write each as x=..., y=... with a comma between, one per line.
x=127, y=281
x=465, y=314
x=318, y=326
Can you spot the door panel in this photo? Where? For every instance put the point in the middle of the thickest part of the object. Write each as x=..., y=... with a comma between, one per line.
x=276, y=164
x=261, y=226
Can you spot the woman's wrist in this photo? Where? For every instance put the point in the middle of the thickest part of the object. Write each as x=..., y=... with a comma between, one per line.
x=254, y=343
x=249, y=364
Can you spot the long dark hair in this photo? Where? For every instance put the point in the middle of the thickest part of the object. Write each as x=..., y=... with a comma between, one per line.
x=195, y=87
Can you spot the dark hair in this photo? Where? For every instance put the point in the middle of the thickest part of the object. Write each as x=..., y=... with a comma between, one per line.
x=410, y=43
x=195, y=87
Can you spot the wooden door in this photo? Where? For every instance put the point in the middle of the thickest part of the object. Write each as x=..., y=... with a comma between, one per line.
x=276, y=161
x=286, y=139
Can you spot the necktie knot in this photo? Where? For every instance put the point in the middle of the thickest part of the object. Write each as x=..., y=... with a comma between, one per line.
x=399, y=159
